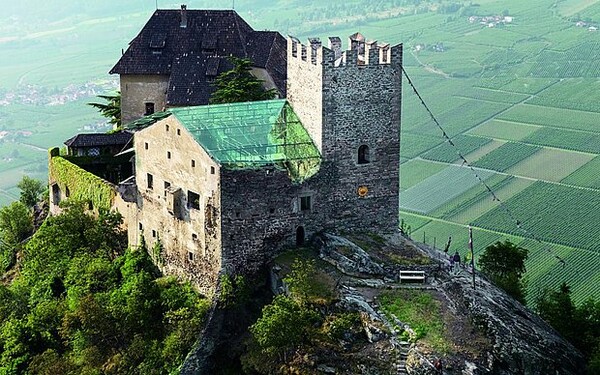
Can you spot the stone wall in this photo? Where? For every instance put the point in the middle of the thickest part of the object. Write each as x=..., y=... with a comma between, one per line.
x=360, y=101
x=262, y=213
x=137, y=90
x=191, y=237
x=305, y=90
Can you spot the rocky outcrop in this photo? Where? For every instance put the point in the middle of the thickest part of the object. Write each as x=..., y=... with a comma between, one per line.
x=518, y=341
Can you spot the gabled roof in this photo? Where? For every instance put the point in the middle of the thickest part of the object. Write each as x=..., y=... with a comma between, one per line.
x=193, y=55
x=253, y=134
x=99, y=139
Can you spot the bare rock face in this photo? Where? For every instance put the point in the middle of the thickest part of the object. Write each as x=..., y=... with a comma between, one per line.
x=516, y=340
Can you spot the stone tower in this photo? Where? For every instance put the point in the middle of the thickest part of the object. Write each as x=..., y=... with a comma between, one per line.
x=350, y=103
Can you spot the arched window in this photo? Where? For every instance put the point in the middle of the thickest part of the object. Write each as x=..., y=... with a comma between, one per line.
x=363, y=155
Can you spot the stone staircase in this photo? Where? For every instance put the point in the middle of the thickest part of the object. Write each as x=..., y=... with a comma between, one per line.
x=402, y=350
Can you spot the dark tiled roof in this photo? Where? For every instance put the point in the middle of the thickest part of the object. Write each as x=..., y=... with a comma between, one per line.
x=193, y=55
x=99, y=139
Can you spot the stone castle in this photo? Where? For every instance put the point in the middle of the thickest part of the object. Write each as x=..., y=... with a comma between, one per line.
x=223, y=187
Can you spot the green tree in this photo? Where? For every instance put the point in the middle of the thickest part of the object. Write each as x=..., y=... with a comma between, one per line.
x=31, y=190
x=16, y=223
x=111, y=109
x=578, y=324
x=239, y=85
x=504, y=264
x=284, y=325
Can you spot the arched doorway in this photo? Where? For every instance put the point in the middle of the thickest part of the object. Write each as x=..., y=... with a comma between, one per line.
x=300, y=236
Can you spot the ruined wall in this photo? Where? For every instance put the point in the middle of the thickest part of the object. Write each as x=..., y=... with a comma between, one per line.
x=361, y=102
x=137, y=90
x=191, y=237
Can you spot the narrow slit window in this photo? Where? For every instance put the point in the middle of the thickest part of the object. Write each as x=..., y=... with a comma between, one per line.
x=168, y=154
x=363, y=154
x=193, y=163
x=150, y=181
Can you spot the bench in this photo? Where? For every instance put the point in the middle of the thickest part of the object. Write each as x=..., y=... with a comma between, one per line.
x=412, y=276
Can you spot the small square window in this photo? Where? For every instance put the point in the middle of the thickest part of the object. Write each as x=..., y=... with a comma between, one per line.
x=194, y=237
x=145, y=145
x=238, y=214
x=193, y=163
x=305, y=203
x=153, y=233
x=168, y=154
x=272, y=211
x=190, y=256
x=150, y=180
x=193, y=200
x=212, y=170
x=149, y=108
x=178, y=131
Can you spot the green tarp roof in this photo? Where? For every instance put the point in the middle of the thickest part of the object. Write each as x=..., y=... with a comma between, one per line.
x=251, y=134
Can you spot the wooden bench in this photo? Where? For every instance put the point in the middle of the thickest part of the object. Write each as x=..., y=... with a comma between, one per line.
x=412, y=276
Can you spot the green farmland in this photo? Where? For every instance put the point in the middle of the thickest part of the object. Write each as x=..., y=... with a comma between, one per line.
x=520, y=100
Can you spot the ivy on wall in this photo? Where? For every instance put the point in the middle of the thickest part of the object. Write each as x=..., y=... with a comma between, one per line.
x=83, y=185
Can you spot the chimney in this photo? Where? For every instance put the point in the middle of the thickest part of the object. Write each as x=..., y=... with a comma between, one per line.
x=183, y=23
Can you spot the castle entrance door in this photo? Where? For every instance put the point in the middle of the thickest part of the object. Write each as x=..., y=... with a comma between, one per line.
x=300, y=236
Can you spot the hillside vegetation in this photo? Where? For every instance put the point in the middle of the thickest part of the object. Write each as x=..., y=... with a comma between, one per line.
x=83, y=303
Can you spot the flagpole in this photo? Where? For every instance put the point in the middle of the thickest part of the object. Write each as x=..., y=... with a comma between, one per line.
x=472, y=254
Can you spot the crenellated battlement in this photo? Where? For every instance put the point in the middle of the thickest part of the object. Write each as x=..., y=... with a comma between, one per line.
x=360, y=53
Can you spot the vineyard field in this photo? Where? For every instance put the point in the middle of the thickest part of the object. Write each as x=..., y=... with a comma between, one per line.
x=484, y=150
x=447, y=153
x=510, y=131
x=475, y=193
x=439, y=189
x=414, y=145
x=472, y=210
x=565, y=139
x=587, y=176
x=553, y=117
x=554, y=213
x=506, y=156
x=577, y=94
x=416, y=170
x=528, y=85
x=550, y=164
x=494, y=96
x=544, y=271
